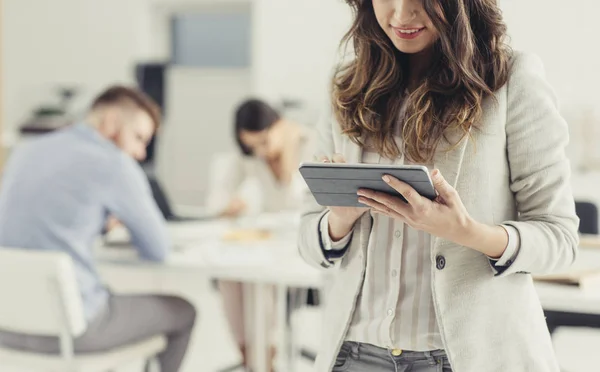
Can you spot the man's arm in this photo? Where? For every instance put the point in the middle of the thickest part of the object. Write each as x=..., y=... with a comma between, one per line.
x=130, y=200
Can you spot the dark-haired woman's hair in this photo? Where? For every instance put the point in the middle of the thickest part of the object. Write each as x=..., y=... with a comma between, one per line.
x=253, y=116
x=471, y=61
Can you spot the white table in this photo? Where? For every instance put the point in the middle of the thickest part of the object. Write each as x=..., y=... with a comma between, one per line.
x=276, y=262
x=200, y=250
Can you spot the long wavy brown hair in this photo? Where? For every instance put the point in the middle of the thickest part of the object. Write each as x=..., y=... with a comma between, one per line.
x=470, y=62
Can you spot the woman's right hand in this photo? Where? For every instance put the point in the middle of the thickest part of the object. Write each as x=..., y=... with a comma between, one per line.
x=341, y=219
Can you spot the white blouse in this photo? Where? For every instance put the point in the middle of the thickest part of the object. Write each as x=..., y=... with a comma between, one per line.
x=251, y=179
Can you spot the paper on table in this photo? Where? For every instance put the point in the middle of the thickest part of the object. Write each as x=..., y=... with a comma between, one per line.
x=247, y=235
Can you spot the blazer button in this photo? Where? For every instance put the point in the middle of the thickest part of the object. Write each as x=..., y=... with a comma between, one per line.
x=440, y=262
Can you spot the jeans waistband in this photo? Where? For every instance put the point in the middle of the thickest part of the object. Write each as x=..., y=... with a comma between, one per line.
x=376, y=351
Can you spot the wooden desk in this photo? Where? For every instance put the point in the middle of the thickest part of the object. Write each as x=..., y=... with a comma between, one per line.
x=589, y=241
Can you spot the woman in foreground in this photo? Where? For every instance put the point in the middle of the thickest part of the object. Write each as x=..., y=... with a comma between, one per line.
x=443, y=285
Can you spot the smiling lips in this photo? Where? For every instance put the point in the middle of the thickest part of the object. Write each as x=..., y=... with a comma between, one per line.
x=408, y=33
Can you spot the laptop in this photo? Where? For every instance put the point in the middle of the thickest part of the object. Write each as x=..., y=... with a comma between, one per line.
x=165, y=206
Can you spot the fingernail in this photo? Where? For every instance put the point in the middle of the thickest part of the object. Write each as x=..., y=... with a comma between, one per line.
x=387, y=179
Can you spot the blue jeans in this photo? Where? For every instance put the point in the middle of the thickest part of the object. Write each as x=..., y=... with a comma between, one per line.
x=358, y=357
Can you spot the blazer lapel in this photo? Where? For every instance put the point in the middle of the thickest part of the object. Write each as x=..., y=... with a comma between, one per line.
x=448, y=158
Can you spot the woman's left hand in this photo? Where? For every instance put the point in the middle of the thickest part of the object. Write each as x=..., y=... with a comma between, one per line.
x=445, y=217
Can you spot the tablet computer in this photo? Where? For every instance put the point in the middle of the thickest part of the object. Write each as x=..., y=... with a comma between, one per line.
x=336, y=184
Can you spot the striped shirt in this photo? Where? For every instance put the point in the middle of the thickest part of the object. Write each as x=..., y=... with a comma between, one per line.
x=395, y=309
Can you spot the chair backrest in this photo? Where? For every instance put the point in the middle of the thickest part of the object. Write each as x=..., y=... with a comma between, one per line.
x=588, y=216
x=39, y=293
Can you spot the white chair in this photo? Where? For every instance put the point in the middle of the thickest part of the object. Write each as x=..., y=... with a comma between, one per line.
x=306, y=324
x=39, y=295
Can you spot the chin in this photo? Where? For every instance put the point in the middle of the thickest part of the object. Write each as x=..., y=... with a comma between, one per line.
x=415, y=46
x=409, y=48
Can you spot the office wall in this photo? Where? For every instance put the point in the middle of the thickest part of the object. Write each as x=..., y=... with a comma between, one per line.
x=564, y=35
x=294, y=42
x=87, y=43
x=200, y=105
x=296, y=47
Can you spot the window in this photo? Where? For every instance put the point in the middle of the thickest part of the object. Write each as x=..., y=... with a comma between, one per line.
x=212, y=39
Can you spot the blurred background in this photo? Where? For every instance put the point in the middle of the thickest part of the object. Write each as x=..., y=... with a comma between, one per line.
x=200, y=58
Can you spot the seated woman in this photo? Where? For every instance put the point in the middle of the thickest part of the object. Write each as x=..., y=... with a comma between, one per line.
x=262, y=178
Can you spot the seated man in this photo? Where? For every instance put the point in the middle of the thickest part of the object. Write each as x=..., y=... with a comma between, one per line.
x=57, y=193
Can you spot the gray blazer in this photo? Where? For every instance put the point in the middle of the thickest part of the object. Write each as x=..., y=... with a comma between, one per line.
x=513, y=171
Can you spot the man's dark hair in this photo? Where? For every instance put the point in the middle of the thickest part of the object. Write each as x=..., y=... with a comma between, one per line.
x=122, y=95
x=253, y=116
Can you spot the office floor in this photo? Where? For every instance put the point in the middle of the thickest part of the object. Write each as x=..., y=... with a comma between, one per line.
x=213, y=348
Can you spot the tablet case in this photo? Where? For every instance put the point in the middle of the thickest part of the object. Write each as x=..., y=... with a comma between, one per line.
x=334, y=185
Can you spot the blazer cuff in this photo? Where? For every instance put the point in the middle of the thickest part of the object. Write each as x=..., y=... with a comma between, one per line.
x=510, y=253
x=332, y=250
x=328, y=243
